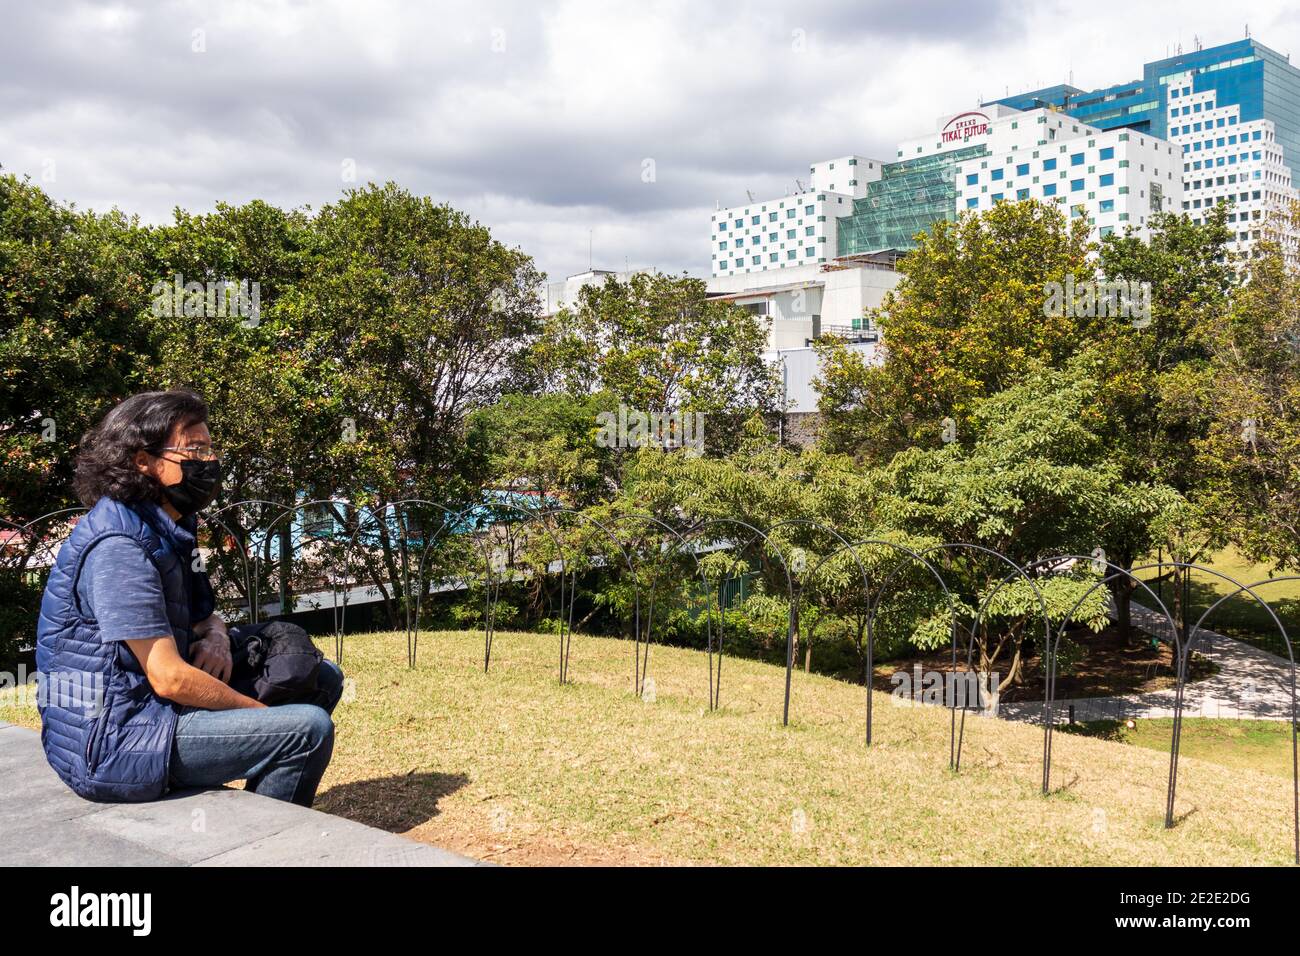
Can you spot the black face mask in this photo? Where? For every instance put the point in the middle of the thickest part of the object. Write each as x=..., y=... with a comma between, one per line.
x=200, y=483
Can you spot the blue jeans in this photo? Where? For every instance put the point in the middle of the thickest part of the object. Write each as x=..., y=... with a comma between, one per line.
x=280, y=752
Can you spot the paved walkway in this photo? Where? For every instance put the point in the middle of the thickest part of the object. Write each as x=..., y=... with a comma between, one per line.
x=1251, y=685
x=46, y=824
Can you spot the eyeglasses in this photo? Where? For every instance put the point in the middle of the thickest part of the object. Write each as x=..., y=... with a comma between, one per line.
x=201, y=452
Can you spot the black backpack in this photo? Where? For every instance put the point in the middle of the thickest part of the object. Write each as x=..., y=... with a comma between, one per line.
x=276, y=663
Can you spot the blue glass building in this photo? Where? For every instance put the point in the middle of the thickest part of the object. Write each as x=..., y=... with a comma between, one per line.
x=1262, y=82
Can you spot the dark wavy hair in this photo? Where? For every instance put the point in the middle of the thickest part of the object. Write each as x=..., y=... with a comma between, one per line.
x=106, y=459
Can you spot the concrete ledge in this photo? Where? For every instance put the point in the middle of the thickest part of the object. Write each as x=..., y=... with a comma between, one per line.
x=46, y=824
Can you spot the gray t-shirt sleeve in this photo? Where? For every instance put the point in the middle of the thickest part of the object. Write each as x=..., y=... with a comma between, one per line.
x=121, y=589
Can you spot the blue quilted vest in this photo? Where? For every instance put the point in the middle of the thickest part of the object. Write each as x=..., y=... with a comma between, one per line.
x=105, y=732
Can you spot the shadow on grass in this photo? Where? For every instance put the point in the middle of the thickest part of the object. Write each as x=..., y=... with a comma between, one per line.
x=1112, y=730
x=395, y=804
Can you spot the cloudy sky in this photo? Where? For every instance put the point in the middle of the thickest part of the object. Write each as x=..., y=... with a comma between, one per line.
x=555, y=122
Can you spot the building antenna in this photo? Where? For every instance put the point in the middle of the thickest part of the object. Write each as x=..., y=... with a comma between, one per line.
x=750, y=195
x=589, y=257
x=1247, y=31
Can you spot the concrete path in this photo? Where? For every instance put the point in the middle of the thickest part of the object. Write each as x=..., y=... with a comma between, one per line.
x=46, y=824
x=1251, y=685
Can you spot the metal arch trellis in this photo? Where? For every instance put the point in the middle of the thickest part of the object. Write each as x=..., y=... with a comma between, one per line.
x=955, y=750
x=243, y=536
x=32, y=543
x=24, y=530
x=212, y=520
x=455, y=520
x=1051, y=563
x=873, y=608
x=332, y=565
x=715, y=690
x=1193, y=634
x=640, y=669
x=567, y=632
x=1182, y=658
x=410, y=616
x=794, y=601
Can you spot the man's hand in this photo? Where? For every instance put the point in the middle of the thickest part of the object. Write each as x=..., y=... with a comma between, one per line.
x=172, y=678
x=211, y=652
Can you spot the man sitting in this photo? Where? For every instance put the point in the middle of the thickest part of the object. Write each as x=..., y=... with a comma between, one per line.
x=126, y=611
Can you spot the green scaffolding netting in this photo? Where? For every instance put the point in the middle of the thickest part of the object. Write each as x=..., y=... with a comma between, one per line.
x=909, y=197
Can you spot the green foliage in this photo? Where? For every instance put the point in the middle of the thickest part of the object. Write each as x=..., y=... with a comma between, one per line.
x=70, y=293
x=966, y=321
x=1251, y=452
x=658, y=343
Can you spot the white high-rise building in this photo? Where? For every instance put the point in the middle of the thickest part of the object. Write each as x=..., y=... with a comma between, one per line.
x=795, y=230
x=1228, y=160
x=1114, y=178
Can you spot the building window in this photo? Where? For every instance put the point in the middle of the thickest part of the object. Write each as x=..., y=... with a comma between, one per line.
x=1107, y=179
x=1049, y=189
x=996, y=174
x=1022, y=169
x=1048, y=165
x=1076, y=159
x=1107, y=205
x=1108, y=153
x=1076, y=185
x=972, y=178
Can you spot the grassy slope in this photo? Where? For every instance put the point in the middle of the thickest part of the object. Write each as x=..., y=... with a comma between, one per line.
x=1263, y=745
x=513, y=767
x=1241, y=616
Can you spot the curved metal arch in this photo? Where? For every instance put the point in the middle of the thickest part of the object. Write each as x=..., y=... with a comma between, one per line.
x=715, y=691
x=1182, y=657
x=640, y=669
x=873, y=608
x=412, y=627
x=979, y=613
x=495, y=506
x=1181, y=685
x=1050, y=662
x=287, y=511
x=243, y=556
x=24, y=528
x=1295, y=745
x=789, y=648
x=252, y=587
x=25, y=534
x=567, y=638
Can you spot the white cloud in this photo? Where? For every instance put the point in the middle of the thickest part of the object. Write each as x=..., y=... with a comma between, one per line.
x=535, y=117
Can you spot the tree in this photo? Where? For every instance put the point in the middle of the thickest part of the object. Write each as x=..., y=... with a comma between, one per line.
x=70, y=345
x=411, y=318
x=547, y=444
x=1252, y=450
x=658, y=344
x=247, y=356
x=1034, y=480
x=967, y=320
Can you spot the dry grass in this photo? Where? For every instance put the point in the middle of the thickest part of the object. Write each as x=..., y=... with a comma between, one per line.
x=513, y=767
